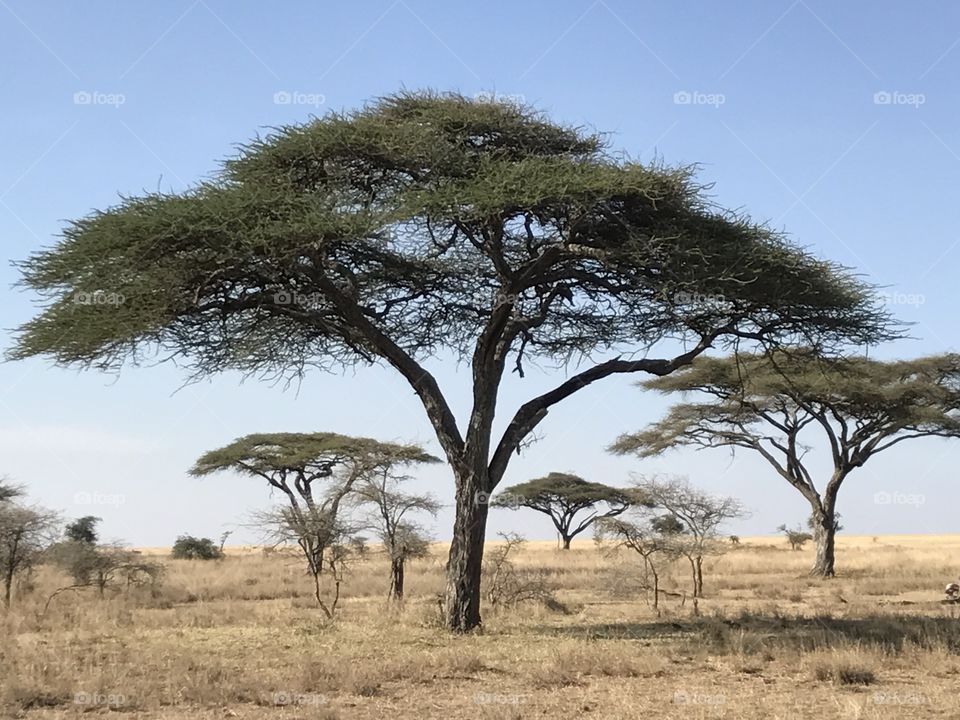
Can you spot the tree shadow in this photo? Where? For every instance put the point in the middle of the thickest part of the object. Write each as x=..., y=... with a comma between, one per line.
x=751, y=633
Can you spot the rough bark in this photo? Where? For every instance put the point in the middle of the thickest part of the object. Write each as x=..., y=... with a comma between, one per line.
x=466, y=554
x=396, y=579
x=824, y=534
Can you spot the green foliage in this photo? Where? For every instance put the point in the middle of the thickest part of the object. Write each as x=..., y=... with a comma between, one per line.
x=310, y=454
x=667, y=525
x=561, y=496
x=83, y=530
x=420, y=218
x=188, y=547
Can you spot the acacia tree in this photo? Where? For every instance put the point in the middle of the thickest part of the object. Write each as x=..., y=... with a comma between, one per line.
x=770, y=404
x=403, y=538
x=292, y=463
x=561, y=497
x=428, y=224
x=692, y=519
x=25, y=532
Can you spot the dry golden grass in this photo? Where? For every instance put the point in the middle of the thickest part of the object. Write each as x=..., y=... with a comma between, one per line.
x=241, y=638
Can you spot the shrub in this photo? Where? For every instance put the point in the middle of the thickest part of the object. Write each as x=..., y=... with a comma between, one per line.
x=188, y=547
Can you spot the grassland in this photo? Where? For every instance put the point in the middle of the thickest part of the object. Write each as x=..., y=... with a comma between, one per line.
x=241, y=638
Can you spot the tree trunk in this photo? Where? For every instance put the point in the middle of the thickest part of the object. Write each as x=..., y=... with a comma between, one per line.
x=466, y=553
x=396, y=579
x=698, y=576
x=823, y=536
x=693, y=573
x=566, y=541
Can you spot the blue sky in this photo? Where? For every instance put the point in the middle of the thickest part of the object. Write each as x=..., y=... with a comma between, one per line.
x=836, y=121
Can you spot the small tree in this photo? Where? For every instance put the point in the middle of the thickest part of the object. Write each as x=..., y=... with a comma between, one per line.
x=188, y=547
x=508, y=585
x=772, y=404
x=402, y=538
x=83, y=530
x=294, y=463
x=795, y=536
x=25, y=532
x=692, y=521
x=103, y=566
x=561, y=497
x=638, y=535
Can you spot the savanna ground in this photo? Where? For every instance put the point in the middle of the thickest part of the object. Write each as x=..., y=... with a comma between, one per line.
x=242, y=638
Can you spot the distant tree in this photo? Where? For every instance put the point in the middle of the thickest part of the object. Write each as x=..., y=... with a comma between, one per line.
x=103, y=566
x=428, y=224
x=667, y=525
x=223, y=540
x=734, y=539
x=393, y=520
x=188, y=547
x=692, y=521
x=25, y=533
x=795, y=536
x=561, y=497
x=770, y=403
x=83, y=530
x=294, y=463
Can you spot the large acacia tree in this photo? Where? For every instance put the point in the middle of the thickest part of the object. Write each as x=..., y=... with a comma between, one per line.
x=429, y=224
x=315, y=472
x=777, y=404
x=572, y=503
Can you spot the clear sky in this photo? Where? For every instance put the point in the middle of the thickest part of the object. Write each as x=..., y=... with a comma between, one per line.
x=836, y=121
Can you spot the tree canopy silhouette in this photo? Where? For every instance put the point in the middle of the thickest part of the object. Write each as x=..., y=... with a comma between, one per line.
x=772, y=404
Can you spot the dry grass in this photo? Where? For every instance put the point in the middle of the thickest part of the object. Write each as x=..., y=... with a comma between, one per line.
x=241, y=638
